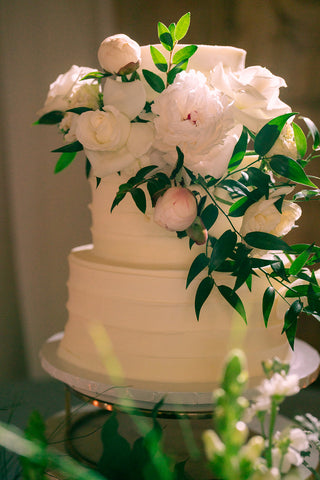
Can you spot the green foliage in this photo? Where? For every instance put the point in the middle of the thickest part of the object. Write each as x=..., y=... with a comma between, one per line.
x=267, y=303
x=267, y=136
x=51, y=118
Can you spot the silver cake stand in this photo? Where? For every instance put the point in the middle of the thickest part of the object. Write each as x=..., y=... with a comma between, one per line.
x=305, y=362
x=179, y=410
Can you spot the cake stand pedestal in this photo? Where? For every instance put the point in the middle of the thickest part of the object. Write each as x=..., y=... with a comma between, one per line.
x=184, y=415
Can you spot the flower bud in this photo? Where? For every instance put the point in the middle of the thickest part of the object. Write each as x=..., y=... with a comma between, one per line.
x=176, y=209
x=212, y=444
x=119, y=54
x=253, y=449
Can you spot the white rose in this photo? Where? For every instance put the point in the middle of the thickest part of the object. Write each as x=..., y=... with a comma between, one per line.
x=198, y=120
x=263, y=216
x=68, y=126
x=176, y=209
x=255, y=93
x=110, y=141
x=69, y=91
x=119, y=54
x=285, y=143
x=128, y=97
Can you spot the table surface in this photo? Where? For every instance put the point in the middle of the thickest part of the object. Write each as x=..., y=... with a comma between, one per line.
x=20, y=398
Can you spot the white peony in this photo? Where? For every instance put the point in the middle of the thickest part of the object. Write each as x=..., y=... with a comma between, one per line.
x=263, y=216
x=69, y=91
x=128, y=97
x=255, y=93
x=198, y=120
x=110, y=141
x=119, y=54
x=176, y=209
x=285, y=143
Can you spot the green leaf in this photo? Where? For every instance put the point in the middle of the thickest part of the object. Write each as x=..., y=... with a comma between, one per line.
x=165, y=36
x=79, y=110
x=179, y=163
x=198, y=264
x=139, y=198
x=222, y=249
x=184, y=54
x=175, y=70
x=50, y=118
x=259, y=179
x=154, y=81
x=291, y=321
x=280, y=270
x=158, y=59
x=289, y=168
x=300, y=139
x=96, y=75
x=240, y=206
x=172, y=28
x=239, y=151
x=144, y=171
x=314, y=132
x=299, y=262
x=209, y=215
x=203, y=291
x=269, y=133
x=314, y=297
x=266, y=241
x=70, y=147
x=267, y=303
x=65, y=159
x=182, y=26
x=87, y=168
x=306, y=195
x=297, y=291
x=233, y=299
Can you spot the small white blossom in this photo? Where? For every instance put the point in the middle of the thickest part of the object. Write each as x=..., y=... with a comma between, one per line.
x=280, y=385
x=298, y=439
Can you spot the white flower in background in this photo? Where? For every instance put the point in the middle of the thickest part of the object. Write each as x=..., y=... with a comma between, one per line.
x=110, y=141
x=69, y=91
x=176, y=209
x=128, y=97
x=298, y=439
x=263, y=216
x=255, y=93
x=198, y=120
x=285, y=143
x=279, y=385
x=287, y=448
x=68, y=126
x=119, y=54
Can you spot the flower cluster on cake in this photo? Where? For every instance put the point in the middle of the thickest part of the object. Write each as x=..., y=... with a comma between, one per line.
x=204, y=143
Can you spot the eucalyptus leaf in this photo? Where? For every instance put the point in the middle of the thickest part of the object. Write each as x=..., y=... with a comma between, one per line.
x=182, y=26
x=269, y=133
x=266, y=241
x=203, y=291
x=158, y=59
x=64, y=160
x=154, y=81
x=289, y=168
x=233, y=299
x=300, y=139
x=197, y=266
x=239, y=151
x=267, y=303
x=70, y=147
x=165, y=36
x=50, y=118
x=184, y=54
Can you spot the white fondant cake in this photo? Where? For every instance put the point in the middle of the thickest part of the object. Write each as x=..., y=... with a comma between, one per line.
x=129, y=288
x=191, y=158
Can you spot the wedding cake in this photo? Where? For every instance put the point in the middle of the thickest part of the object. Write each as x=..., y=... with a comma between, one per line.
x=191, y=157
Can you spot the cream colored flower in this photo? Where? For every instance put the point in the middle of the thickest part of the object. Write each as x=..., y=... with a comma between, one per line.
x=69, y=91
x=119, y=54
x=128, y=97
x=176, y=209
x=285, y=143
x=254, y=92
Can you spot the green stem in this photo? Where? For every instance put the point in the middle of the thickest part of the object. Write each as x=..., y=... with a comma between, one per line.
x=273, y=416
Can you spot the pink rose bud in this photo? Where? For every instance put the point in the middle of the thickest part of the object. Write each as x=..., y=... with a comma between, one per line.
x=176, y=209
x=119, y=54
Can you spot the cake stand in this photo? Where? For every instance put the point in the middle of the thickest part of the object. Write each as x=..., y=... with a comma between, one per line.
x=178, y=411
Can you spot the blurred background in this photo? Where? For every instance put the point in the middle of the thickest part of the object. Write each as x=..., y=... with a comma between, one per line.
x=42, y=215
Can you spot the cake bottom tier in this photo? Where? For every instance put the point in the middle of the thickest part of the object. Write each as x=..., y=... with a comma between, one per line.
x=138, y=327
